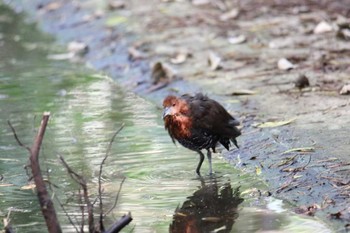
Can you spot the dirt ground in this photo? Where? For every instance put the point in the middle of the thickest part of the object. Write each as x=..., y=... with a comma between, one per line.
x=281, y=67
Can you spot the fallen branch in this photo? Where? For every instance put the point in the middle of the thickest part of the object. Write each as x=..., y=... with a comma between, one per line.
x=46, y=204
x=100, y=176
x=45, y=201
x=117, y=226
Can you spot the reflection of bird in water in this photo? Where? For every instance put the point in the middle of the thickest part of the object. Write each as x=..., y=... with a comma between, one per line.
x=198, y=122
x=212, y=208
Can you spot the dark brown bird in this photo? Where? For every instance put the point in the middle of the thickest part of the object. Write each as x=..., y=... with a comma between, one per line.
x=198, y=122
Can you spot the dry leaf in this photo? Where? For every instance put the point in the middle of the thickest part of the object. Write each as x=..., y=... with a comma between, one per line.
x=345, y=90
x=344, y=34
x=78, y=48
x=237, y=40
x=232, y=14
x=323, y=27
x=284, y=64
x=243, y=92
x=271, y=124
x=162, y=73
x=214, y=61
x=5, y=185
x=302, y=82
x=135, y=54
x=257, y=170
x=180, y=57
x=300, y=149
x=28, y=186
x=59, y=57
x=53, y=6
x=115, y=4
x=200, y=2
x=116, y=20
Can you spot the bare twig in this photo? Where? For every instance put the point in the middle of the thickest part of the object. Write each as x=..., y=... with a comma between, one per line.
x=338, y=165
x=100, y=175
x=287, y=183
x=81, y=181
x=297, y=169
x=16, y=137
x=66, y=213
x=116, y=198
x=51, y=185
x=75, y=176
x=7, y=225
x=82, y=212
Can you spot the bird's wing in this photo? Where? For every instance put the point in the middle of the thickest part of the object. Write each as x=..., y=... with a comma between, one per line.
x=211, y=116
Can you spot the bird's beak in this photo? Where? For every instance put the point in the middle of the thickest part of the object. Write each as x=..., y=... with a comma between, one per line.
x=167, y=112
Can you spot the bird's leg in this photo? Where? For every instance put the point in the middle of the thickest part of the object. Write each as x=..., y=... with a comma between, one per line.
x=209, y=160
x=201, y=159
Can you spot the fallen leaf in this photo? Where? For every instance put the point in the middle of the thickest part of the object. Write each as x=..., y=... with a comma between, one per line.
x=300, y=149
x=323, y=27
x=7, y=159
x=237, y=40
x=180, y=57
x=257, y=170
x=284, y=64
x=344, y=34
x=53, y=6
x=78, y=48
x=280, y=43
x=5, y=185
x=243, y=92
x=271, y=124
x=286, y=161
x=115, y=4
x=345, y=90
x=135, y=54
x=214, y=61
x=116, y=20
x=28, y=186
x=232, y=14
x=307, y=210
x=336, y=215
x=232, y=101
x=59, y=57
x=162, y=73
x=302, y=82
x=200, y=2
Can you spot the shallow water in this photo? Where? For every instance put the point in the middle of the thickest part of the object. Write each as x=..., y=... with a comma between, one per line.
x=161, y=189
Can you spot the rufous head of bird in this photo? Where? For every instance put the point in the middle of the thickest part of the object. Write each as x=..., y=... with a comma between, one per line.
x=174, y=107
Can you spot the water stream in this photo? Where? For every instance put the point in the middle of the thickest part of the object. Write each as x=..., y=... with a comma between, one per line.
x=161, y=189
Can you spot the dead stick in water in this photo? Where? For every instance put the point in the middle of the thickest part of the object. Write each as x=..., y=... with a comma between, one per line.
x=46, y=204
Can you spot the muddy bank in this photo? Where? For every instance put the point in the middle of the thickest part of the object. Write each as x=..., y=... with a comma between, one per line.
x=303, y=149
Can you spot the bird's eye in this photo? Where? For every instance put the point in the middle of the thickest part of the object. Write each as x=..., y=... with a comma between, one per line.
x=174, y=104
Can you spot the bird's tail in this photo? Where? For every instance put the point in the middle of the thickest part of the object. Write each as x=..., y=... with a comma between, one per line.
x=234, y=141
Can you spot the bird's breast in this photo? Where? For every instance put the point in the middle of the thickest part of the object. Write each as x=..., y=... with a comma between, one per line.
x=179, y=128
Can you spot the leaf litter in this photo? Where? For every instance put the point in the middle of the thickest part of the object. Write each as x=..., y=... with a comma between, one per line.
x=271, y=124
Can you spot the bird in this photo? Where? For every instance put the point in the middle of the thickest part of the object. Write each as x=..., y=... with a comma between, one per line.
x=199, y=123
